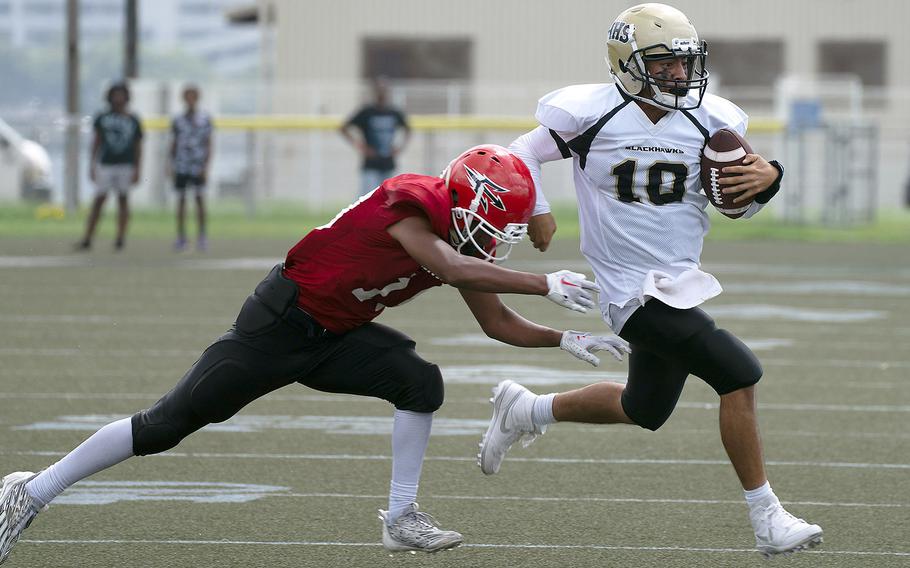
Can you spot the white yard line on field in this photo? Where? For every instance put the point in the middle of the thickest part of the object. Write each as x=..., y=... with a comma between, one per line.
x=588, y=499
x=588, y=461
x=200, y=542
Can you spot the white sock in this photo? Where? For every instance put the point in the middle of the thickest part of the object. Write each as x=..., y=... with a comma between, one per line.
x=542, y=414
x=759, y=495
x=410, y=436
x=108, y=446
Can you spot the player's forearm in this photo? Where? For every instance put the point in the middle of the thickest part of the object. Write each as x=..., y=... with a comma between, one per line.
x=511, y=328
x=474, y=274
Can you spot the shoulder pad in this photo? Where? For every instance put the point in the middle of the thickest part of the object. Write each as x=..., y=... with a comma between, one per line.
x=426, y=193
x=573, y=109
x=717, y=112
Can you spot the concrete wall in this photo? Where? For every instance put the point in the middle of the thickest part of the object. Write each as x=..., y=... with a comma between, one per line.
x=524, y=48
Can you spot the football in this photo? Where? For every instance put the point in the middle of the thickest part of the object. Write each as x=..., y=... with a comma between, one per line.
x=725, y=148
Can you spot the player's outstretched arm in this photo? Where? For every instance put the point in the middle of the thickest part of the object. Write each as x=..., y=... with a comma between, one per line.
x=568, y=289
x=501, y=323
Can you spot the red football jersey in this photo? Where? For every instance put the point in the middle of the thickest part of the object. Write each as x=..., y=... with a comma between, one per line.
x=350, y=269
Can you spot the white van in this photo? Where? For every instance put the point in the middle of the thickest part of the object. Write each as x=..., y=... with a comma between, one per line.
x=25, y=167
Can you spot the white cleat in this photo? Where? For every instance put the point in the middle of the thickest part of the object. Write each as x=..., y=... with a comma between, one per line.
x=416, y=531
x=779, y=532
x=512, y=408
x=17, y=510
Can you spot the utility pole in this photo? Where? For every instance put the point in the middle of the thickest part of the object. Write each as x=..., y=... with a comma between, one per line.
x=71, y=169
x=130, y=58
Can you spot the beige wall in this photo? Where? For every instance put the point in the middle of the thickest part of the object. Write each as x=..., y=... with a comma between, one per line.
x=563, y=42
x=524, y=48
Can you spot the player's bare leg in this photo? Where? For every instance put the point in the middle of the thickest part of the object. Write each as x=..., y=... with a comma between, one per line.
x=180, y=243
x=519, y=414
x=93, y=216
x=740, y=436
x=201, y=242
x=599, y=403
x=776, y=530
x=123, y=219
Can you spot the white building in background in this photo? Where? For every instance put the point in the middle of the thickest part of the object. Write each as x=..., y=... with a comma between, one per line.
x=843, y=57
x=194, y=26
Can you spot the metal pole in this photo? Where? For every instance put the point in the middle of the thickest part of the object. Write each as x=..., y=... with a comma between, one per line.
x=71, y=169
x=130, y=59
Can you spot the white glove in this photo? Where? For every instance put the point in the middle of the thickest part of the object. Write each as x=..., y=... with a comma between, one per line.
x=582, y=345
x=571, y=290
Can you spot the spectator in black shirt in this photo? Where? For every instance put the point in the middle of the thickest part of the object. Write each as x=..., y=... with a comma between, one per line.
x=378, y=123
x=115, y=162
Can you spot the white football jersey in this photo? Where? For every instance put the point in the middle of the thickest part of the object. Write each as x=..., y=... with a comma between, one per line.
x=640, y=205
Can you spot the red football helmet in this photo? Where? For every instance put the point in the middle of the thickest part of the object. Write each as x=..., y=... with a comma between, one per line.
x=493, y=198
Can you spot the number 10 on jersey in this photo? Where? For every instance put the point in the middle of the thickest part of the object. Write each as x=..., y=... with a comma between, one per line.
x=658, y=194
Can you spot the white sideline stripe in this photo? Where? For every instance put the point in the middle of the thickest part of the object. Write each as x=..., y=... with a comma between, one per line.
x=798, y=407
x=839, y=363
x=380, y=457
x=594, y=499
x=477, y=545
x=476, y=357
x=100, y=319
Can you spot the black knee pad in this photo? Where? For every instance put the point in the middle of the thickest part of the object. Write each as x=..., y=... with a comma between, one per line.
x=423, y=389
x=213, y=390
x=651, y=416
x=150, y=438
x=723, y=361
x=222, y=390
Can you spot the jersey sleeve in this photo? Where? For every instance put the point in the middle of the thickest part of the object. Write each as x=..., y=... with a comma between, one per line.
x=535, y=148
x=408, y=198
x=573, y=109
x=356, y=119
x=721, y=113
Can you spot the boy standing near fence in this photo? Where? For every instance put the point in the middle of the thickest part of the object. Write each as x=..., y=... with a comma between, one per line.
x=190, y=153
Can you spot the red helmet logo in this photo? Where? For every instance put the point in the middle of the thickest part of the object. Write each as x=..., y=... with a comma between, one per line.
x=485, y=192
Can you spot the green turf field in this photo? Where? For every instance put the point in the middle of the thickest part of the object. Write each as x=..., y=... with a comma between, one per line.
x=297, y=477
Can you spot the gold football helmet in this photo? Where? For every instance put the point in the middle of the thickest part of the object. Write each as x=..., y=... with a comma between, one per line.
x=650, y=32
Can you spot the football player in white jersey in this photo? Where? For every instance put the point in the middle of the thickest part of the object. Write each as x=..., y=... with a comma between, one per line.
x=636, y=146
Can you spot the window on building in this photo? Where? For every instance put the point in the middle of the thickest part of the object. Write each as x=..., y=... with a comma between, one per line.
x=430, y=61
x=865, y=59
x=408, y=58
x=746, y=63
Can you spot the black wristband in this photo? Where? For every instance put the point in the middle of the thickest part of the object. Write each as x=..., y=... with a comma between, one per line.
x=767, y=194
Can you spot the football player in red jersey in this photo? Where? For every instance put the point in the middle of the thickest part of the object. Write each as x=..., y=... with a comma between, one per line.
x=310, y=321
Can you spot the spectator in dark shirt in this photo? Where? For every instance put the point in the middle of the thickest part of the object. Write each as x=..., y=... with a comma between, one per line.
x=378, y=123
x=115, y=162
x=191, y=150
